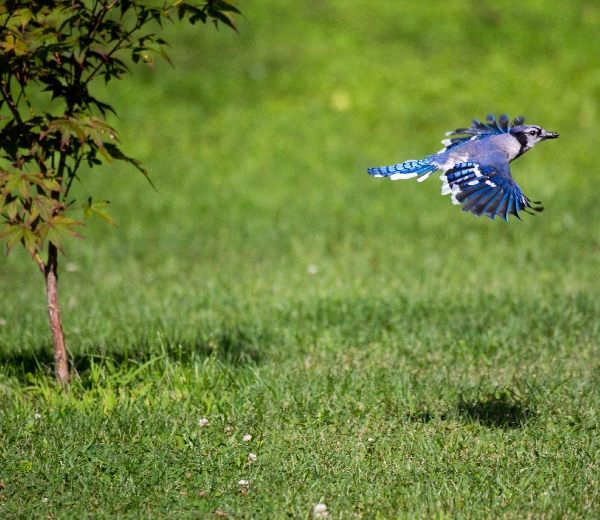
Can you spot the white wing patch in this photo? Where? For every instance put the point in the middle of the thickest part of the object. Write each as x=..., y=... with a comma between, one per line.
x=422, y=178
x=446, y=190
x=396, y=176
x=454, y=190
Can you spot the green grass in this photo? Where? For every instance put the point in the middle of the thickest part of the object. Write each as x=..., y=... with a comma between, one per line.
x=466, y=349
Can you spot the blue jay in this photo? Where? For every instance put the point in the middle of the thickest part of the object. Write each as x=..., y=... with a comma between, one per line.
x=475, y=166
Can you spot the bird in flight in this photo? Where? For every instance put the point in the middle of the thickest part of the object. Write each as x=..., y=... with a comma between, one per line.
x=475, y=166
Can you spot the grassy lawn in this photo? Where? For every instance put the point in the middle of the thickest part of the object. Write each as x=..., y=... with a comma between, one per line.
x=388, y=355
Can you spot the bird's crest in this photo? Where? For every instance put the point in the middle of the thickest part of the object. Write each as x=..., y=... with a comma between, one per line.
x=478, y=130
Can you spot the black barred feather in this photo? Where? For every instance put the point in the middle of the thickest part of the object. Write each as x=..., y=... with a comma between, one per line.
x=484, y=190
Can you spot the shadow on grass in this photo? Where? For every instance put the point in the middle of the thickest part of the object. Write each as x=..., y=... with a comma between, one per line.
x=30, y=362
x=500, y=409
x=231, y=346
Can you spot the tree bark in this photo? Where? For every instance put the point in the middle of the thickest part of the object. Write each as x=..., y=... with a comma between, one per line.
x=61, y=359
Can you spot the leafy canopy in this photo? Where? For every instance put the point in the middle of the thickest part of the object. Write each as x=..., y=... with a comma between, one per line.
x=61, y=46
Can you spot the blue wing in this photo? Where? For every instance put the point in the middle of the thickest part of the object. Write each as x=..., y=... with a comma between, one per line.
x=479, y=129
x=486, y=190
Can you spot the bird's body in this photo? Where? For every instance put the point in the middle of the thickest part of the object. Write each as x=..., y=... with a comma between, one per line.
x=475, y=166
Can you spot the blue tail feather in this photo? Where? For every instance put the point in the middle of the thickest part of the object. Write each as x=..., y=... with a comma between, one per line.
x=405, y=170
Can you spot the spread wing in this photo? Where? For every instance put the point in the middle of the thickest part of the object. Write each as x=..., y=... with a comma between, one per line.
x=486, y=190
x=478, y=129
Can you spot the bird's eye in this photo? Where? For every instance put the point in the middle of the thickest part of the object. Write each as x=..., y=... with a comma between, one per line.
x=532, y=132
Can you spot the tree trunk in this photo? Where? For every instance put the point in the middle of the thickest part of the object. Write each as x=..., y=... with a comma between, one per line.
x=61, y=359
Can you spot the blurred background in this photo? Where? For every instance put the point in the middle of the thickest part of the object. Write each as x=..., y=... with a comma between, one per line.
x=258, y=143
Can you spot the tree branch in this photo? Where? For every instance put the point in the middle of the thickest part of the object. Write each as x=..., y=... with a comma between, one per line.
x=6, y=94
x=117, y=47
x=72, y=178
x=8, y=18
x=97, y=19
x=40, y=263
x=62, y=161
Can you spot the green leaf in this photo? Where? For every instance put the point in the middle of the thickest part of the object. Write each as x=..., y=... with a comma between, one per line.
x=42, y=206
x=97, y=208
x=24, y=187
x=12, y=209
x=224, y=5
x=50, y=185
x=116, y=153
x=57, y=228
x=22, y=182
x=12, y=181
x=30, y=240
x=223, y=17
x=26, y=15
x=13, y=233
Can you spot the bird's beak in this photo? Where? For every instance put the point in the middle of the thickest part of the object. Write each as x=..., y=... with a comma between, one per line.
x=549, y=135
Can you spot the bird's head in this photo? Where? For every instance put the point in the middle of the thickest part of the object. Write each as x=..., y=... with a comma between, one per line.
x=530, y=135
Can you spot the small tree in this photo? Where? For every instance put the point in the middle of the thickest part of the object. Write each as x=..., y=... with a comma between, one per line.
x=61, y=46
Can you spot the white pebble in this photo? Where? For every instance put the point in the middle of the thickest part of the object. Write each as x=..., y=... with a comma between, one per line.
x=321, y=511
